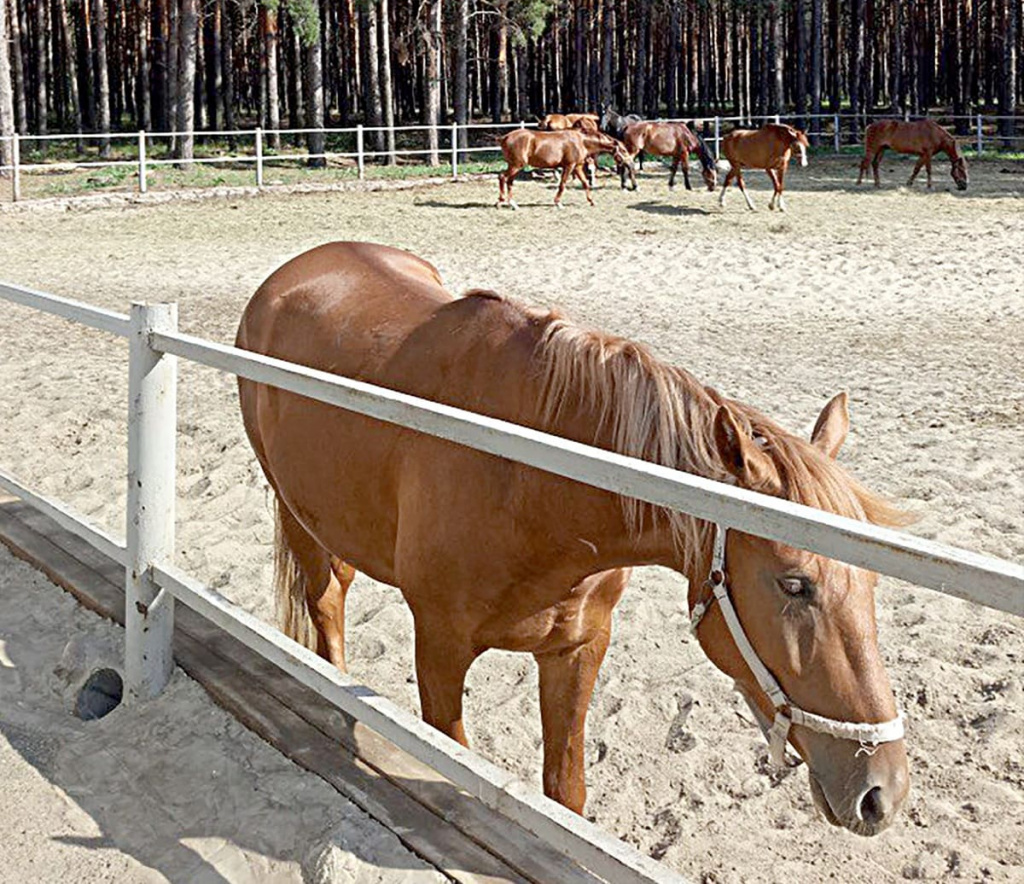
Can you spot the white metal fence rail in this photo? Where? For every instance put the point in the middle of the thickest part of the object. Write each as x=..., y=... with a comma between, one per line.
x=153, y=583
x=452, y=147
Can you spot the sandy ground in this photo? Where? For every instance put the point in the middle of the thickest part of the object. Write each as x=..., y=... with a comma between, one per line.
x=170, y=790
x=911, y=301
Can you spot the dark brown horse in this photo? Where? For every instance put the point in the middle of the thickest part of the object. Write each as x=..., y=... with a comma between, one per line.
x=675, y=140
x=922, y=137
x=490, y=553
x=568, y=150
x=769, y=148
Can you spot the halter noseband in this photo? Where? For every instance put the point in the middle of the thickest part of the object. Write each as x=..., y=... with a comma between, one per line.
x=869, y=736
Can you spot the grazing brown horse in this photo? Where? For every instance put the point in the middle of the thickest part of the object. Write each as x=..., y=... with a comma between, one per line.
x=489, y=553
x=568, y=150
x=768, y=148
x=922, y=137
x=674, y=140
x=555, y=122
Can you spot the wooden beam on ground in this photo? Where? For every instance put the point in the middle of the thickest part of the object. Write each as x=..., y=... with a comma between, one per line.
x=442, y=824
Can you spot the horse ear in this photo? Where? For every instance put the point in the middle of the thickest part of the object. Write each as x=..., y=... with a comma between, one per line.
x=833, y=424
x=741, y=455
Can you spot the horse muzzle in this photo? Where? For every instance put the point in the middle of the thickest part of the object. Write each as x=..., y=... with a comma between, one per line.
x=864, y=801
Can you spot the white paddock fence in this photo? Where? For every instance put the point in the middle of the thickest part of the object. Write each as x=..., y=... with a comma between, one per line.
x=153, y=584
x=453, y=143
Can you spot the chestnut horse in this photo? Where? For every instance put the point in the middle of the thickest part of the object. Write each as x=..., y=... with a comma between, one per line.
x=555, y=122
x=674, y=140
x=489, y=553
x=922, y=137
x=568, y=150
x=768, y=148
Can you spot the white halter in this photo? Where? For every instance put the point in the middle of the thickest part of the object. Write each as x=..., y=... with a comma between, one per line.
x=869, y=736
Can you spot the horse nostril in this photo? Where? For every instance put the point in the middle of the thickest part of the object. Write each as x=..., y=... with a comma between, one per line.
x=872, y=808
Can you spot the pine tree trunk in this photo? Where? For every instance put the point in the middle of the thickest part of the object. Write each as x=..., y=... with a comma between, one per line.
x=835, y=58
x=897, y=82
x=642, y=51
x=42, y=73
x=270, y=42
x=371, y=72
x=212, y=66
x=608, y=20
x=188, y=23
x=15, y=23
x=227, y=66
x=314, y=89
x=387, y=92
x=173, y=44
x=800, y=23
x=817, y=35
x=432, y=80
x=1008, y=79
x=99, y=23
x=143, y=109
x=6, y=92
x=462, y=71
x=777, y=100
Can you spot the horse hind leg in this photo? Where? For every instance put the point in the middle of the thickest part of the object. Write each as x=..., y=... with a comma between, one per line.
x=311, y=586
x=743, y=190
x=875, y=163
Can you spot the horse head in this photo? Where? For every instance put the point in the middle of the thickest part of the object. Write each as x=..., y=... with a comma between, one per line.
x=809, y=621
x=959, y=172
x=708, y=167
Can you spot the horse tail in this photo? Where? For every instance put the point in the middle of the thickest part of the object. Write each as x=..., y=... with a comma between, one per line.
x=290, y=584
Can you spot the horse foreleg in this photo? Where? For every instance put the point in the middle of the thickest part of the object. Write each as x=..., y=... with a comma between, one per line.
x=743, y=190
x=684, y=160
x=441, y=666
x=578, y=172
x=566, y=685
x=863, y=167
x=566, y=172
x=917, y=168
x=781, y=175
x=928, y=168
x=728, y=180
x=775, y=189
x=875, y=163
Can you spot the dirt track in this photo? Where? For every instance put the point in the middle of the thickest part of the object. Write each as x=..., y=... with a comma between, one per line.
x=911, y=301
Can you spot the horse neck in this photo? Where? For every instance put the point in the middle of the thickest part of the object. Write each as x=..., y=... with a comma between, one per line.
x=949, y=146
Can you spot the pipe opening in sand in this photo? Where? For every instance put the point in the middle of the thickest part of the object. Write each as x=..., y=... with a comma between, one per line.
x=100, y=695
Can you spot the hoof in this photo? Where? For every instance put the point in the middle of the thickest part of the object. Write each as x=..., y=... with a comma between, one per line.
x=513, y=205
x=559, y=206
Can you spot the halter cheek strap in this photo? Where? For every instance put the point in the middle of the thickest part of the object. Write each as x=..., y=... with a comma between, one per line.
x=869, y=736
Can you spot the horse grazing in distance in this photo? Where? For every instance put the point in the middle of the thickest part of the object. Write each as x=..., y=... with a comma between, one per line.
x=922, y=137
x=490, y=553
x=674, y=140
x=568, y=150
x=768, y=148
x=555, y=122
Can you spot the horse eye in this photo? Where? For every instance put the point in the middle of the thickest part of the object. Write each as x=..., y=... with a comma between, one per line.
x=797, y=587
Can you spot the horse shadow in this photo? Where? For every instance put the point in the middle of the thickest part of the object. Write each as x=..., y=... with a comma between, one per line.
x=654, y=208
x=439, y=204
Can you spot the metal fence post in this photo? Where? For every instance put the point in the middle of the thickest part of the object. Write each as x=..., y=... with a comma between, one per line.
x=142, y=161
x=259, y=157
x=778, y=119
x=835, y=130
x=718, y=136
x=978, y=121
x=15, y=167
x=149, y=611
x=455, y=151
x=360, y=159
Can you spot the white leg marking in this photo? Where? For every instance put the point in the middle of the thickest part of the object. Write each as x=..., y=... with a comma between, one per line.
x=803, y=154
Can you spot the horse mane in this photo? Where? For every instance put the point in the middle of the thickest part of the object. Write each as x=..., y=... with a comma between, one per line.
x=647, y=409
x=792, y=132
